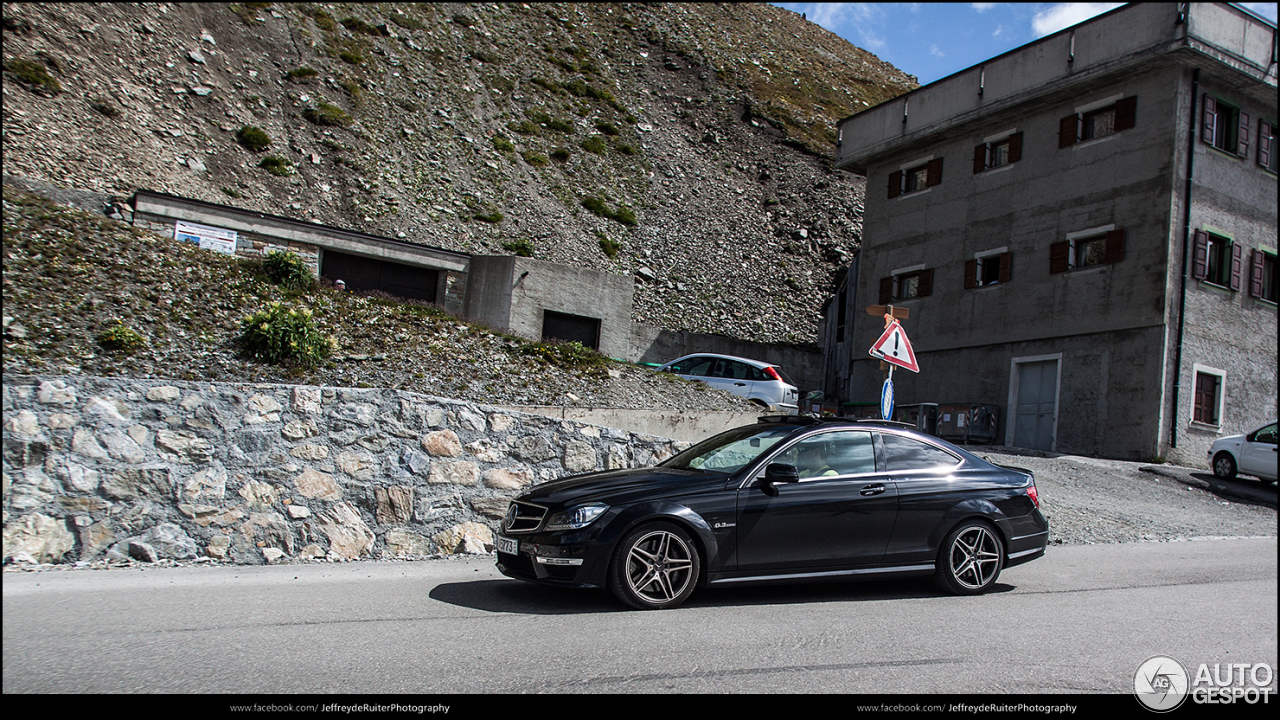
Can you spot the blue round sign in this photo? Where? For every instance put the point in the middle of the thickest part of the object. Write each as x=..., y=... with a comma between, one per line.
x=886, y=400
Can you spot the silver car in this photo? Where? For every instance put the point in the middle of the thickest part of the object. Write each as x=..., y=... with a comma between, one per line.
x=760, y=382
x=1253, y=454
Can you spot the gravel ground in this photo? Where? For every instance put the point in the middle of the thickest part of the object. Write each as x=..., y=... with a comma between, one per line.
x=1088, y=500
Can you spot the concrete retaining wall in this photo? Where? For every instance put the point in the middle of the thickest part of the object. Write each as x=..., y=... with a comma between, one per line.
x=113, y=468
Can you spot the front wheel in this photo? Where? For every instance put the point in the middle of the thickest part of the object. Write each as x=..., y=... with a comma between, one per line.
x=1224, y=466
x=970, y=559
x=655, y=567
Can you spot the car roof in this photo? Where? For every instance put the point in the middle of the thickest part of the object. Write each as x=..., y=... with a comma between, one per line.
x=761, y=363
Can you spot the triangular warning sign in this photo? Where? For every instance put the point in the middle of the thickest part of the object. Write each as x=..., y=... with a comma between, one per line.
x=893, y=347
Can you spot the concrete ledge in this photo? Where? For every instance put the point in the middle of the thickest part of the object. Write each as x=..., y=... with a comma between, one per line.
x=674, y=424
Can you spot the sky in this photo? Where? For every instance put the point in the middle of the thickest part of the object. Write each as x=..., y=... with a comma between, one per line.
x=933, y=40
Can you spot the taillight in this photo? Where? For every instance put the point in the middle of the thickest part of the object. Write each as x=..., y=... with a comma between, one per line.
x=772, y=373
x=1033, y=494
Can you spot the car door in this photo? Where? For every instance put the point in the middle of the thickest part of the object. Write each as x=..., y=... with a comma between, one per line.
x=1258, y=454
x=839, y=514
x=731, y=376
x=927, y=490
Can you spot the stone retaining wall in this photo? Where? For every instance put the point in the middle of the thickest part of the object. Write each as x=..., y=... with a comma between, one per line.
x=107, y=468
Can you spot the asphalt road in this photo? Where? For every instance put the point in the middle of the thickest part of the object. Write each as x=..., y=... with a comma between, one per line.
x=1081, y=619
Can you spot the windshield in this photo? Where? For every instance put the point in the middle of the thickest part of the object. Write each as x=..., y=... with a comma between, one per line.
x=730, y=451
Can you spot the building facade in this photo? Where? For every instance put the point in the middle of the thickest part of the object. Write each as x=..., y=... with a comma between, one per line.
x=1084, y=232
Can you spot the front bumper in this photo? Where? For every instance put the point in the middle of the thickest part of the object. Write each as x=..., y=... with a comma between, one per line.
x=583, y=565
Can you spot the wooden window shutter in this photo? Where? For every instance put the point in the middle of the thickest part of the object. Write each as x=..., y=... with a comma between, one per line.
x=1264, y=144
x=979, y=158
x=1115, y=247
x=933, y=172
x=1209, y=119
x=1126, y=112
x=1015, y=147
x=1237, y=253
x=1242, y=136
x=895, y=183
x=1068, y=131
x=1200, y=255
x=1006, y=267
x=970, y=274
x=1255, y=273
x=925, y=287
x=1059, y=257
x=886, y=289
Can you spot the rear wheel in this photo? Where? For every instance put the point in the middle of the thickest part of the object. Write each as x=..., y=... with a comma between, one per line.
x=1224, y=466
x=970, y=559
x=655, y=567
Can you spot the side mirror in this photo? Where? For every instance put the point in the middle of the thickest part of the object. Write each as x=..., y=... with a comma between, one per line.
x=778, y=473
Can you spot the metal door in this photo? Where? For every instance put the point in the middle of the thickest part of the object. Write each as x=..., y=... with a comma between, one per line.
x=1037, y=405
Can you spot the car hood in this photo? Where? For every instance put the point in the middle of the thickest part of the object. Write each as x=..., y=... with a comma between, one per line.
x=1229, y=440
x=615, y=487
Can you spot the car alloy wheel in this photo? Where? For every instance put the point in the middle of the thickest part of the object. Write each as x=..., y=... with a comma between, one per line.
x=970, y=559
x=655, y=566
x=1224, y=467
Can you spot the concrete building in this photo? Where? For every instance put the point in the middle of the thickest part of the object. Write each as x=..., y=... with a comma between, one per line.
x=1084, y=232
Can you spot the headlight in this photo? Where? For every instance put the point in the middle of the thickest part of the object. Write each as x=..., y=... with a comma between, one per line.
x=576, y=517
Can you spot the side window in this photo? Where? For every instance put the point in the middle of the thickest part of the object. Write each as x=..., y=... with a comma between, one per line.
x=997, y=153
x=737, y=370
x=1087, y=249
x=906, y=285
x=988, y=268
x=903, y=454
x=1224, y=126
x=831, y=454
x=1265, y=435
x=1216, y=260
x=1097, y=122
x=694, y=366
x=915, y=178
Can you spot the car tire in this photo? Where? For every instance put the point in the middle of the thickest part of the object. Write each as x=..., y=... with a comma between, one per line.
x=655, y=567
x=1224, y=466
x=970, y=559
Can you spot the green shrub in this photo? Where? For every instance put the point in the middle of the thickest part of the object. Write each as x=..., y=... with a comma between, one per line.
x=231, y=192
x=607, y=128
x=288, y=270
x=627, y=149
x=503, y=144
x=284, y=336
x=535, y=159
x=302, y=74
x=357, y=25
x=493, y=217
x=324, y=20
x=276, y=165
x=34, y=76
x=119, y=338
x=326, y=114
x=560, y=154
x=252, y=138
x=568, y=355
x=599, y=207
x=351, y=58
x=607, y=246
x=524, y=127
x=522, y=248
x=595, y=144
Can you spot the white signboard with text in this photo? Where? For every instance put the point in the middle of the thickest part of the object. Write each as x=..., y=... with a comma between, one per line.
x=209, y=238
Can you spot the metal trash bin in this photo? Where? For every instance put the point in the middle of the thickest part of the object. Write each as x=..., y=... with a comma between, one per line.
x=968, y=423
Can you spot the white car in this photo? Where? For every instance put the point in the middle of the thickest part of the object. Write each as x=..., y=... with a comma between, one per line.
x=760, y=382
x=1253, y=454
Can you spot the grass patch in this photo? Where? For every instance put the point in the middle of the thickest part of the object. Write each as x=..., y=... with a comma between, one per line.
x=568, y=355
x=522, y=248
x=600, y=207
x=560, y=154
x=608, y=246
x=595, y=145
x=503, y=144
x=356, y=25
x=326, y=114
x=276, y=165
x=492, y=217
x=121, y=339
x=301, y=75
x=33, y=75
x=104, y=107
x=535, y=159
x=253, y=139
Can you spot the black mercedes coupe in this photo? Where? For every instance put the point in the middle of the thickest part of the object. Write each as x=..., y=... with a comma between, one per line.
x=788, y=499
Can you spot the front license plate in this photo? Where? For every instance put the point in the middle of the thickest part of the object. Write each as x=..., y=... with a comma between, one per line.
x=510, y=546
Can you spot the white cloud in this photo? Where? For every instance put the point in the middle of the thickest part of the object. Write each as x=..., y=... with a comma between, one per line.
x=983, y=7
x=936, y=51
x=1266, y=10
x=844, y=19
x=1064, y=15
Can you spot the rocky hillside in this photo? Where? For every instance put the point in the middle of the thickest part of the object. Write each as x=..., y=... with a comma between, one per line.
x=85, y=294
x=684, y=144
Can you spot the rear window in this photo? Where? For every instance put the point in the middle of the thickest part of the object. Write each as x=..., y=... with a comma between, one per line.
x=903, y=453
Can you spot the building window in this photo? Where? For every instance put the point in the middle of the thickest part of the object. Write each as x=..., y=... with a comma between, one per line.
x=1225, y=127
x=1267, y=146
x=915, y=178
x=1207, y=400
x=1216, y=260
x=1262, y=276
x=1088, y=248
x=997, y=153
x=1089, y=123
x=988, y=269
x=906, y=284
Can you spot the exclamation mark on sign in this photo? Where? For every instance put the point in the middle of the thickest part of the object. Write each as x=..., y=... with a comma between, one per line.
x=895, y=344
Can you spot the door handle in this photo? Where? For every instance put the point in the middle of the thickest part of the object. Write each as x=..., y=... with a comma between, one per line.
x=740, y=384
x=872, y=489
